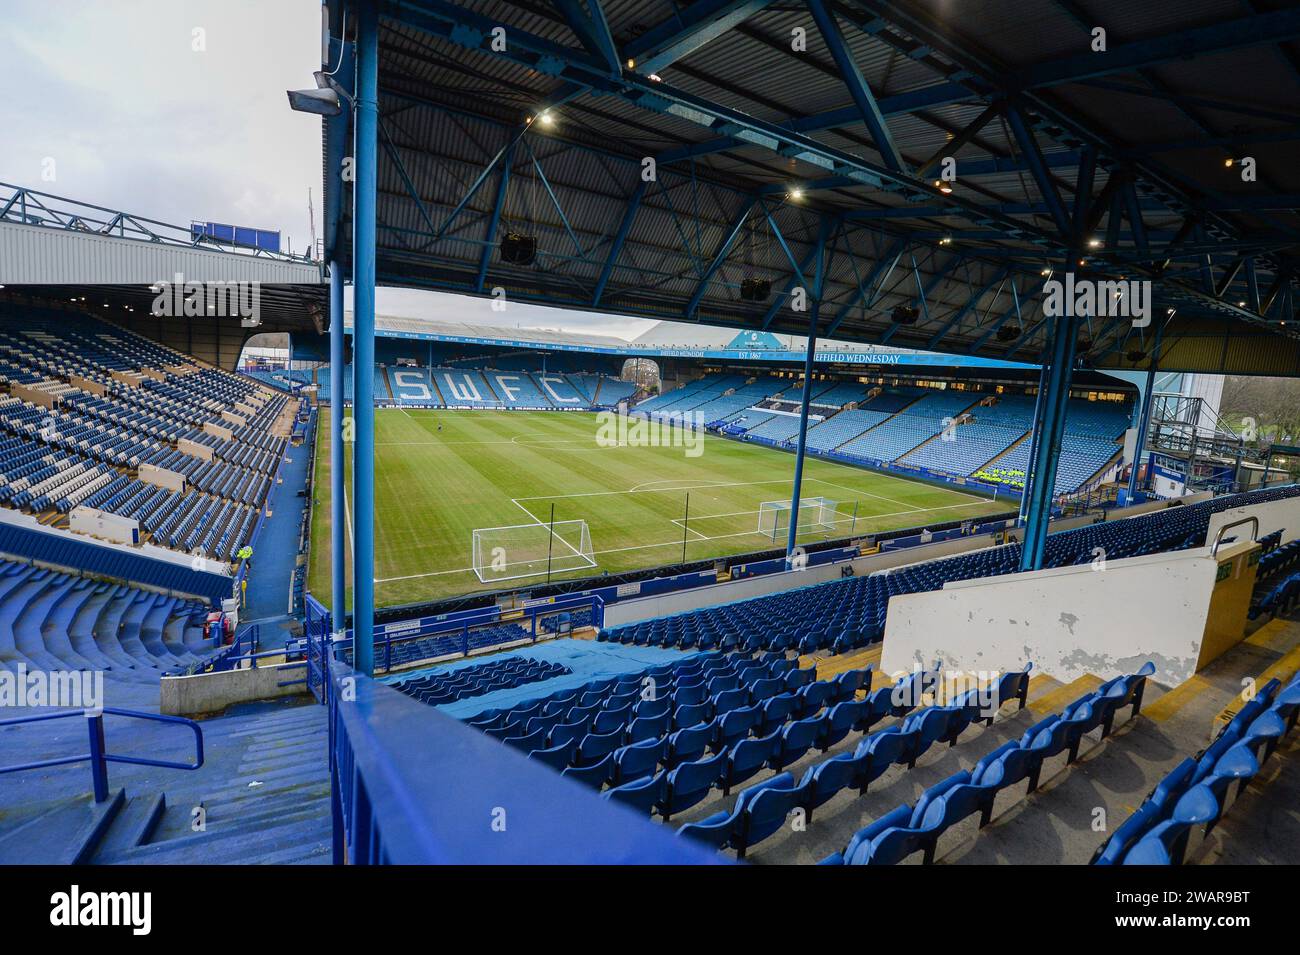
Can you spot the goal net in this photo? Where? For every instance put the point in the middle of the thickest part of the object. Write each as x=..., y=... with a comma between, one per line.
x=815, y=514
x=530, y=550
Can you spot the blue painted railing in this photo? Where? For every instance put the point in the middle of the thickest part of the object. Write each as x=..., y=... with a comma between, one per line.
x=533, y=618
x=29, y=207
x=99, y=757
x=412, y=786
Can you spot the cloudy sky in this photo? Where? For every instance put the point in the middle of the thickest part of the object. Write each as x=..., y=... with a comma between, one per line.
x=175, y=110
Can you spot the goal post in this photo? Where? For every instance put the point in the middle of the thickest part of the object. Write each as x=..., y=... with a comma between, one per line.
x=815, y=514
x=530, y=550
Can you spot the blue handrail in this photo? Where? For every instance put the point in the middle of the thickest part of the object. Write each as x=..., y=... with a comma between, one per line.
x=98, y=756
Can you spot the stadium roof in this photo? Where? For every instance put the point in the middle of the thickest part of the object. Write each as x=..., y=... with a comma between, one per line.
x=1062, y=153
x=731, y=346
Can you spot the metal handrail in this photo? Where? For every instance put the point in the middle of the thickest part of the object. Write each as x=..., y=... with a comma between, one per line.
x=98, y=756
x=1218, y=538
x=46, y=210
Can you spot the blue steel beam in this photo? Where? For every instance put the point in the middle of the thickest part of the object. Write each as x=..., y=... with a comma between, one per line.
x=592, y=31
x=720, y=256
x=932, y=32
x=780, y=238
x=406, y=181
x=364, y=198
x=470, y=29
x=1023, y=510
x=795, y=279
x=1264, y=29
x=337, y=130
x=884, y=266
x=633, y=205
x=687, y=30
x=1083, y=194
x=1252, y=285
x=923, y=292
x=863, y=98
x=1038, y=168
x=1014, y=310
x=960, y=141
x=966, y=309
x=1133, y=207
x=503, y=186
x=940, y=94
x=564, y=219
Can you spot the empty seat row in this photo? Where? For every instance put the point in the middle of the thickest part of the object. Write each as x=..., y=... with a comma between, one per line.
x=917, y=828
x=1190, y=801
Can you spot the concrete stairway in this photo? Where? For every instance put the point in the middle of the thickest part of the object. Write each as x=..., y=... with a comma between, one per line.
x=262, y=796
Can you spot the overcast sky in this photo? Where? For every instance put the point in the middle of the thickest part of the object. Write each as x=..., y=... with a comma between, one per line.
x=121, y=103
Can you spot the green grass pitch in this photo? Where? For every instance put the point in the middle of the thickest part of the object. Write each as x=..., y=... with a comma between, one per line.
x=441, y=474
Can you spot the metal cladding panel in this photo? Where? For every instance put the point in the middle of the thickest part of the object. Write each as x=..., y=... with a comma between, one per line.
x=36, y=255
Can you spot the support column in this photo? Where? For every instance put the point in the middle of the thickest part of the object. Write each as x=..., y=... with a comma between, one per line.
x=338, y=516
x=1144, y=419
x=803, y=430
x=1033, y=441
x=1048, y=450
x=814, y=312
x=366, y=153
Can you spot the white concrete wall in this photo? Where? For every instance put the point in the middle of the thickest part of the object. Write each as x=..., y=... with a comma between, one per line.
x=645, y=608
x=203, y=693
x=1281, y=515
x=105, y=526
x=1067, y=621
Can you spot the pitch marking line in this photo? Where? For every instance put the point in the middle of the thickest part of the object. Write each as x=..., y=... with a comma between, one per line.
x=670, y=543
x=541, y=523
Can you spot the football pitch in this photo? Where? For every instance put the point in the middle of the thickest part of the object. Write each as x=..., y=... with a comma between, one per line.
x=440, y=475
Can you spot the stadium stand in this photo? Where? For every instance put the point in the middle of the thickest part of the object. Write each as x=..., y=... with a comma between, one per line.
x=990, y=431
x=919, y=422
x=955, y=433
x=449, y=687
x=475, y=387
x=58, y=622
x=1091, y=432
x=843, y=427
x=91, y=406
x=848, y=614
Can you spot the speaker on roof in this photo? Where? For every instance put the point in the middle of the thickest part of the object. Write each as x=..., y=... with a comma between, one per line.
x=1135, y=355
x=905, y=315
x=1083, y=345
x=1008, y=333
x=755, y=290
x=518, y=249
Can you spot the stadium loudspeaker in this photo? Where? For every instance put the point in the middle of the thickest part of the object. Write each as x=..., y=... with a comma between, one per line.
x=1135, y=355
x=518, y=249
x=905, y=315
x=1008, y=333
x=755, y=290
x=1084, y=344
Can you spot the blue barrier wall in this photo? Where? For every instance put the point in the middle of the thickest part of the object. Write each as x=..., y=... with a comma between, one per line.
x=412, y=786
x=94, y=558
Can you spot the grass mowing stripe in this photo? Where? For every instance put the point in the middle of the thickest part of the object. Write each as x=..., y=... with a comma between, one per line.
x=441, y=474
